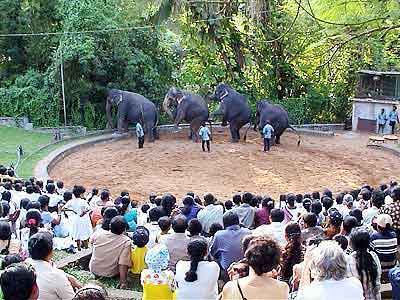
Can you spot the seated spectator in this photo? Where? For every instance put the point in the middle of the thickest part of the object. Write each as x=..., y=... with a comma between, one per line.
x=177, y=242
x=197, y=274
x=228, y=205
x=349, y=223
x=211, y=214
x=165, y=226
x=158, y=282
x=93, y=198
x=140, y=239
x=111, y=255
x=98, y=204
x=245, y=211
x=53, y=283
x=263, y=255
x=378, y=200
x=275, y=229
x=262, y=214
x=384, y=243
x=357, y=213
x=393, y=210
x=154, y=215
x=143, y=216
x=327, y=203
x=226, y=247
x=328, y=267
x=342, y=241
x=32, y=226
x=334, y=225
x=311, y=230
x=18, y=282
x=48, y=219
x=307, y=204
x=168, y=203
x=91, y=292
x=394, y=278
x=8, y=245
x=364, y=264
x=190, y=208
x=194, y=230
x=129, y=212
x=22, y=213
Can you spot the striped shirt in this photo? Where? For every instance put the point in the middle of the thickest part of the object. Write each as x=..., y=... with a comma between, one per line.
x=385, y=246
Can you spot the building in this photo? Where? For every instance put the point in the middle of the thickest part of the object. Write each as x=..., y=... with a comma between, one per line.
x=375, y=90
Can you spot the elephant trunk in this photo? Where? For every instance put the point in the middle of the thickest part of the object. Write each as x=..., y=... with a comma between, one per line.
x=109, y=116
x=166, y=104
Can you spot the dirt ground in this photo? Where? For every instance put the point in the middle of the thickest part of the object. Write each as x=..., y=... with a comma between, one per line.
x=176, y=165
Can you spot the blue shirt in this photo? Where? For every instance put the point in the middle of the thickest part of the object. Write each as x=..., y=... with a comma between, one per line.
x=268, y=130
x=139, y=130
x=382, y=118
x=227, y=245
x=204, y=133
x=393, y=115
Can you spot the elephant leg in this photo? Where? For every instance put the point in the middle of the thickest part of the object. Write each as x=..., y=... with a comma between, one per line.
x=150, y=132
x=122, y=125
x=277, y=139
x=195, y=126
x=234, y=133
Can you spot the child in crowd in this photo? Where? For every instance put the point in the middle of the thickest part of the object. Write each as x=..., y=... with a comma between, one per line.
x=93, y=198
x=140, y=239
x=33, y=225
x=157, y=281
x=165, y=226
x=143, y=215
x=81, y=225
x=129, y=211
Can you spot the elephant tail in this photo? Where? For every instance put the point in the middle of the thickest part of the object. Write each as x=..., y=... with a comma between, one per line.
x=245, y=134
x=294, y=129
x=155, y=127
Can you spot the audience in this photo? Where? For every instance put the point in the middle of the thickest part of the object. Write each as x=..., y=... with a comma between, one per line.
x=275, y=228
x=18, y=282
x=211, y=214
x=246, y=212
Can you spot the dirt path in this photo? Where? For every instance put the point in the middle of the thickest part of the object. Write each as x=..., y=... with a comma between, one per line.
x=174, y=164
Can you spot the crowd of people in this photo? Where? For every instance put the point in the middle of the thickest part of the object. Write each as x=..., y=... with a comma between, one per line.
x=304, y=246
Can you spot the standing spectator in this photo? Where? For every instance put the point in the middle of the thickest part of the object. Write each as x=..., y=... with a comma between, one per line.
x=393, y=118
x=53, y=283
x=268, y=132
x=378, y=200
x=334, y=224
x=226, y=247
x=275, y=229
x=211, y=214
x=177, y=242
x=381, y=120
x=18, y=282
x=54, y=198
x=316, y=208
x=384, y=243
x=263, y=255
x=349, y=223
x=157, y=281
x=197, y=274
x=311, y=231
x=393, y=210
x=245, y=211
x=111, y=254
x=140, y=135
x=205, y=134
x=263, y=213
x=364, y=265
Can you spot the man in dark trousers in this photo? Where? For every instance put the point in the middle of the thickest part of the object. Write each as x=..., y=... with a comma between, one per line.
x=268, y=131
x=140, y=135
x=205, y=134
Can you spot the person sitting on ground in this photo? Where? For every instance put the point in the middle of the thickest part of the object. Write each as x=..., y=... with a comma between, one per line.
x=311, y=230
x=275, y=229
x=263, y=213
x=211, y=214
x=91, y=292
x=157, y=281
x=111, y=255
x=129, y=212
x=263, y=255
x=197, y=274
x=32, y=226
x=18, y=282
x=327, y=265
x=140, y=239
x=93, y=198
x=378, y=200
x=143, y=216
x=8, y=245
x=190, y=209
x=194, y=230
x=393, y=210
x=349, y=223
x=154, y=215
x=228, y=205
x=177, y=242
x=48, y=219
x=334, y=225
x=165, y=226
x=364, y=264
x=168, y=203
x=22, y=213
x=226, y=247
x=98, y=205
x=53, y=283
x=245, y=211
x=54, y=198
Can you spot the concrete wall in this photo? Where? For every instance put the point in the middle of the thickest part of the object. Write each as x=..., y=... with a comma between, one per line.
x=14, y=122
x=65, y=131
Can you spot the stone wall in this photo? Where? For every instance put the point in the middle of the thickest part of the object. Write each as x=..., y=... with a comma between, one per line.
x=64, y=131
x=14, y=122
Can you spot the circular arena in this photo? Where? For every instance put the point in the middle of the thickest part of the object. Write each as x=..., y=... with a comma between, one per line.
x=176, y=165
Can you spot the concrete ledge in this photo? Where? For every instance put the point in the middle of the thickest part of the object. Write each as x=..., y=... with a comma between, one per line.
x=303, y=131
x=322, y=127
x=390, y=148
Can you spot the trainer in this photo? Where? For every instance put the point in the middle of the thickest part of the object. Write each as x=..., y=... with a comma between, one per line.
x=140, y=135
x=268, y=131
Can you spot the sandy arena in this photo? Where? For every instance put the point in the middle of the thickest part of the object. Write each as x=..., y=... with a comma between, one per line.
x=175, y=164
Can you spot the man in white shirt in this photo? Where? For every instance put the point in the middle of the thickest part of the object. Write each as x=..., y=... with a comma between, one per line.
x=275, y=229
x=246, y=212
x=378, y=200
x=154, y=230
x=210, y=214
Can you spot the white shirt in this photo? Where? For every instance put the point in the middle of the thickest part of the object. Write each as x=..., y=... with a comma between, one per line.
x=369, y=214
x=53, y=283
x=154, y=231
x=54, y=199
x=348, y=289
x=275, y=229
x=205, y=287
x=209, y=215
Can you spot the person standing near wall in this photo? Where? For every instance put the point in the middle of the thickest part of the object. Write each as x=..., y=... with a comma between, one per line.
x=205, y=134
x=268, y=131
x=382, y=119
x=393, y=118
x=140, y=135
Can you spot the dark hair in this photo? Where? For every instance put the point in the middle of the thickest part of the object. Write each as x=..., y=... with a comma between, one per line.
x=263, y=255
x=292, y=253
x=214, y=228
x=209, y=199
x=315, y=196
x=29, y=189
x=60, y=184
x=78, y=190
x=378, y=199
x=33, y=221
x=5, y=231
x=91, y=292
x=357, y=213
x=18, y=281
x=196, y=249
x=104, y=195
x=67, y=196
x=230, y=218
x=339, y=198
x=349, y=223
x=366, y=194
x=396, y=193
x=194, y=227
x=40, y=245
x=144, y=208
x=18, y=187
x=108, y=214
x=44, y=201
x=342, y=241
x=179, y=224
x=310, y=219
x=164, y=223
x=157, y=201
x=6, y=209
x=228, y=205
x=155, y=214
x=25, y=203
x=124, y=193
x=327, y=203
x=118, y=225
x=237, y=199
x=188, y=200
x=50, y=188
x=6, y=196
x=365, y=263
x=125, y=201
x=327, y=193
x=307, y=204
x=34, y=205
x=247, y=197
x=291, y=199
x=168, y=202
x=8, y=260
x=277, y=215
x=316, y=207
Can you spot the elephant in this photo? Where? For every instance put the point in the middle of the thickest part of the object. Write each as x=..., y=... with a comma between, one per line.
x=234, y=109
x=190, y=108
x=132, y=108
x=276, y=115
